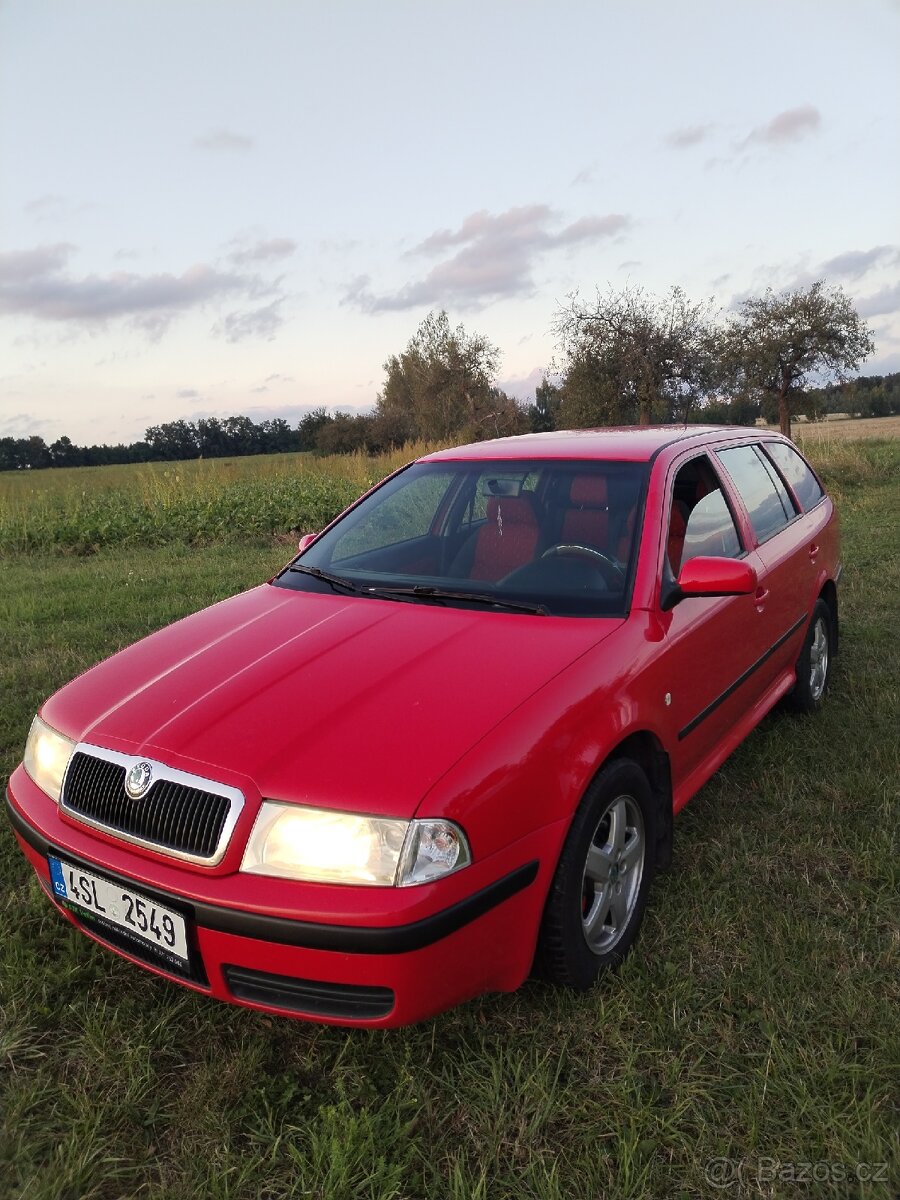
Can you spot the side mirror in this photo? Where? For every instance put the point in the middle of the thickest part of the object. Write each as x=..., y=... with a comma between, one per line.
x=306, y=540
x=711, y=577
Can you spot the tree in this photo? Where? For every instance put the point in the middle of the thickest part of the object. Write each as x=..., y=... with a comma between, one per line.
x=173, y=440
x=542, y=416
x=309, y=426
x=778, y=343
x=343, y=434
x=633, y=357
x=442, y=386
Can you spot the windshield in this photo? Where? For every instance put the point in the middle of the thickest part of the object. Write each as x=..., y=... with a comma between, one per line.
x=556, y=536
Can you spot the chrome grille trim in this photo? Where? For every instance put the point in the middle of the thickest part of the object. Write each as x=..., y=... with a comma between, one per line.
x=188, y=820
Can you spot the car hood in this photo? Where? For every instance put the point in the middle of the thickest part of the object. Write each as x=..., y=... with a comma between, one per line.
x=355, y=703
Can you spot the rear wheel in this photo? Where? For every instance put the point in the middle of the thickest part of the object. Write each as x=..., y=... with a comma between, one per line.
x=599, y=892
x=814, y=663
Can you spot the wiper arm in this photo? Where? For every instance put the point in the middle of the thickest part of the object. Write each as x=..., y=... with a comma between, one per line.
x=337, y=581
x=424, y=592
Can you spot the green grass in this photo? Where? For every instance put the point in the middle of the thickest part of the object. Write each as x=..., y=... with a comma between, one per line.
x=756, y=1020
x=200, y=502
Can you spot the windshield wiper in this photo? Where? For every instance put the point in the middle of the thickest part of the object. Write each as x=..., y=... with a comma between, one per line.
x=424, y=592
x=337, y=581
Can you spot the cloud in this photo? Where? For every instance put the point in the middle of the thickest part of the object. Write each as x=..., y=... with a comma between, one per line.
x=53, y=207
x=46, y=206
x=36, y=283
x=586, y=175
x=488, y=257
x=689, y=135
x=788, y=126
x=523, y=386
x=187, y=393
x=224, y=139
x=884, y=302
x=57, y=297
x=266, y=250
x=884, y=364
x=18, y=266
x=853, y=264
x=261, y=323
x=19, y=425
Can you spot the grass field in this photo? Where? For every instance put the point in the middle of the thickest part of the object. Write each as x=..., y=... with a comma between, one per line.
x=755, y=1024
x=854, y=430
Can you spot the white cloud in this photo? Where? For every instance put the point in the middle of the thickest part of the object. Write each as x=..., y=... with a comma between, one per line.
x=494, y=258
x=36, y=283
x=265, y=250
x=688, y=136
x=884, y=302
x=789, y=126
x=853, y=264
x=224, y=139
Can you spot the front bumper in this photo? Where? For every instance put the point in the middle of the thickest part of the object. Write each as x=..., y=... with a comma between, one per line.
x=403, y=954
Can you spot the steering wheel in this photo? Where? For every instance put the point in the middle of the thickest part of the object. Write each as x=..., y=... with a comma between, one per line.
x=612, y=573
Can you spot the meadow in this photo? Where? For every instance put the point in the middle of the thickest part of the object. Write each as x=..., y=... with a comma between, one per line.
x=749, y=1047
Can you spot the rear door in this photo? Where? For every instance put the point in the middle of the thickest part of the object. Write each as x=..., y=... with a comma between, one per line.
x=776, y=528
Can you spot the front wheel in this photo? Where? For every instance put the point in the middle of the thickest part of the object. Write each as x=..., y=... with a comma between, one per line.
x=814, y=663
x=599, y=892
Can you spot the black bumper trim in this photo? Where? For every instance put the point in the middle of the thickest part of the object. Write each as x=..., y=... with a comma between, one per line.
x=312, y=935
x=347, y=1001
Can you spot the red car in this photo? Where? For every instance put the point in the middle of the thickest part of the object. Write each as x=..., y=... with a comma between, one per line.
x=445, y=745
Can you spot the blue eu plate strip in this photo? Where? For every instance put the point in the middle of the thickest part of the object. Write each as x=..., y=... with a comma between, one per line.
x=57, y=877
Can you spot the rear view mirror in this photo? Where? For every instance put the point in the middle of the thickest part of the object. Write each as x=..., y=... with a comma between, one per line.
x=712, y=577
x=306, y=540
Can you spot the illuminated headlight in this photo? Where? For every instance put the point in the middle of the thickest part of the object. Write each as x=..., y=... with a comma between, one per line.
x=47, y=755
x=323, y=846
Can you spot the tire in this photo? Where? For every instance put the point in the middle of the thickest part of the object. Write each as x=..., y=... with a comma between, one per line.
x=814, y=663
x=599, y=891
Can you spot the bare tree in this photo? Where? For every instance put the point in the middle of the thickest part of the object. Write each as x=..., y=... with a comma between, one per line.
x=778, y=343
x=631, y=356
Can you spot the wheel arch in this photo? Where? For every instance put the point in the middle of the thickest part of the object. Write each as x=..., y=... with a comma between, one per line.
x=829, y=596
x=647, y=751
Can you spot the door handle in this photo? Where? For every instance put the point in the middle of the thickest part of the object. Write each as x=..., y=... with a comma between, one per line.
x=813, y=551
x=762, y=594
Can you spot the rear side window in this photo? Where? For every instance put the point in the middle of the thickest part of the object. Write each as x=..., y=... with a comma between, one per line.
x=796, y=471
x=768, y=504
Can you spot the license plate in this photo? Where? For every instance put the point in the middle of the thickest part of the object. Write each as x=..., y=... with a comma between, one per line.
x=141, y=919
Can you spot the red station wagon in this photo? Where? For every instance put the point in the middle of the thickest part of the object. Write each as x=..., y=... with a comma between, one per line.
x=445, y=745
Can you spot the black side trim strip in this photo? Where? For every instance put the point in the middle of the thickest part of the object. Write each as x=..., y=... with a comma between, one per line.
x=711, y=708
x=348, y=939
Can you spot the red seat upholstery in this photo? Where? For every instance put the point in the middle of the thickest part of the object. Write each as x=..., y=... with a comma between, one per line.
x=586, y=521
x=677, y=530
x=508, y=539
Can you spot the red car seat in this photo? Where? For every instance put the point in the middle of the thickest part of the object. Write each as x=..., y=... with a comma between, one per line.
x=508, y=538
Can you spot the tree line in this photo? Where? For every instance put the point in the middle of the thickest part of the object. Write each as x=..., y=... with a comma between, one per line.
x=625, y=357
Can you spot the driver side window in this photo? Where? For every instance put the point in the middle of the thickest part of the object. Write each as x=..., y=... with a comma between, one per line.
x=700, y=521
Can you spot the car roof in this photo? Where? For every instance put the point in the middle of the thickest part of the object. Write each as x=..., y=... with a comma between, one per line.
x=634, y=443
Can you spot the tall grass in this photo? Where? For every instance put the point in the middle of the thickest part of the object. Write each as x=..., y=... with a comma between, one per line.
x=81, y=510
x=192, y=503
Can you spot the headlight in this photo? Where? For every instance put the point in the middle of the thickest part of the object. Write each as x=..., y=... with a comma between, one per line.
x=47, y=755
x=323, y=846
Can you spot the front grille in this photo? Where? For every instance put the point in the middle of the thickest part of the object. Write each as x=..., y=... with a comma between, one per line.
x=174, y=816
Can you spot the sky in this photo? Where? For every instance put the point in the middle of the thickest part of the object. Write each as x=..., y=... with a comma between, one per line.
x=213, y=207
